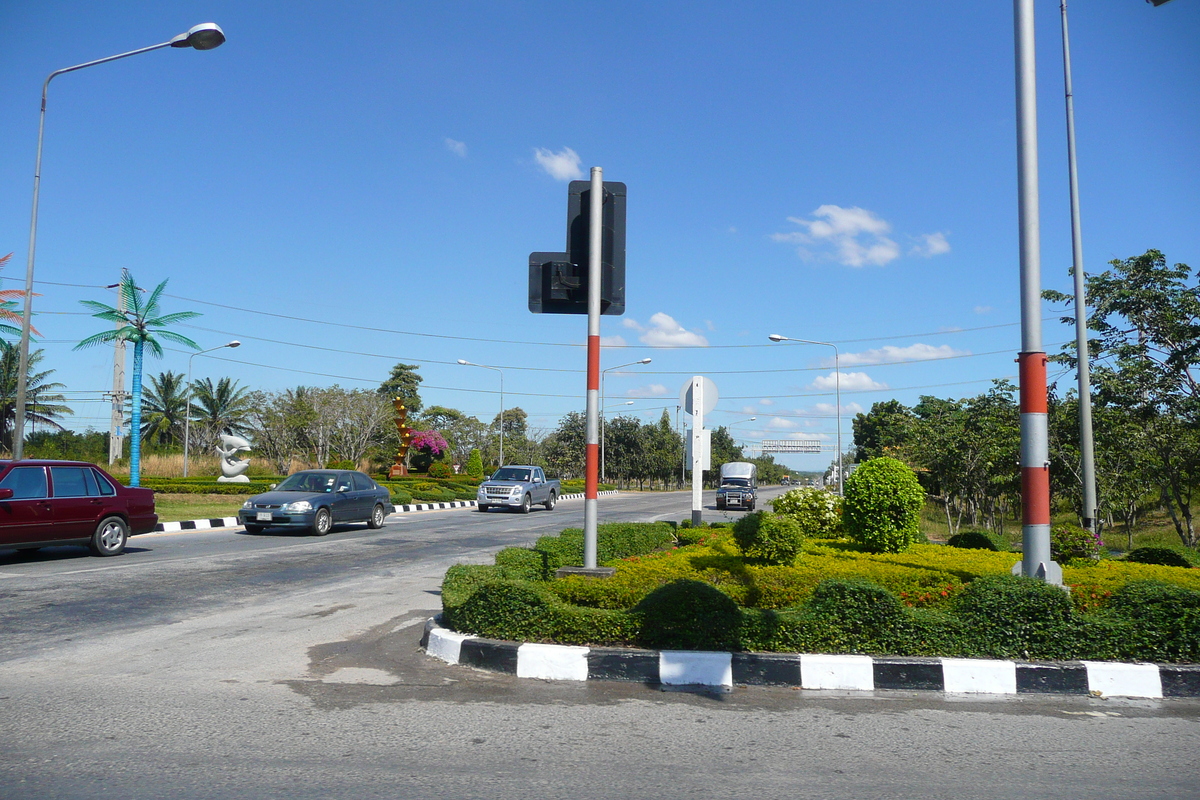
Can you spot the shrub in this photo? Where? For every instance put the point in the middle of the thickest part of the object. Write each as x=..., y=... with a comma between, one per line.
x=440, y=469
x=475, y=464
x=1157, y=555
x=614, y=540
x=1164, y=621
x=1017, y=617
x=856, y=606
x=400, y=497
x=882, y=506
x=818, y=512
x=972, y=540
x=689, y=615
x=521, y=563
x=520, y=610
x=1069, y=542
x=767, y=537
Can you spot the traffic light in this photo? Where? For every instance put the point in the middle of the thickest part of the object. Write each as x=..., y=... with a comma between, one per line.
x=558, y=282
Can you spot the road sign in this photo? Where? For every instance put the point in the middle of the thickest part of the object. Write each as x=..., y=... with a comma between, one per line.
x=791, y=446
x=709, y=401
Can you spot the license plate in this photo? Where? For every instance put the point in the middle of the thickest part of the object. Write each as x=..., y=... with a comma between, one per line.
x=263, y=516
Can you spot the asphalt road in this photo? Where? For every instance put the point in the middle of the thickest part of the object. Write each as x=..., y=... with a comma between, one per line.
x=223, y=665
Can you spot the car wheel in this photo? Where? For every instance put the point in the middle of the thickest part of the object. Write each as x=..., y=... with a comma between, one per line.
x=482, y=506
x=110, y=537
x=551, y=502
x=377, y=515
x=526, y=503
x=254, y=528
x=322, y=522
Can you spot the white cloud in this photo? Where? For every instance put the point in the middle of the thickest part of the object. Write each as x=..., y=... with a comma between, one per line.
x=749, y=410
x=562, y=166
x=850, y=381
x=983, y=309
x=892, y=355
x=931, y=244
x=458, y=148
x=856, y=236
x=781, y=423
x=612, y=341
x=664, y=331
x=766, y=401
x=653, y=390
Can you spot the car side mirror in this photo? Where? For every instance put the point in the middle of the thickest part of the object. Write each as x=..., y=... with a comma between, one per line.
x=273, y=485
x=6, y=494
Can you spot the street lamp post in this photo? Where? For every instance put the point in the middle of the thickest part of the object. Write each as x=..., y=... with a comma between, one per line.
x=837, y=386
x=602, y=373
x=187, y=406
x=497, y=369
x=200, y=37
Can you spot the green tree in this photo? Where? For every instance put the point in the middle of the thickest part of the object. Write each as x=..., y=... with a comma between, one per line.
x=217, y=407
x=565, y=448
x=1146, y=363
x=462, y=432
x=405, y=383
x=723, y=450
x=165, y=402
x=888, y=429
x=138, y=322
x=43, y=404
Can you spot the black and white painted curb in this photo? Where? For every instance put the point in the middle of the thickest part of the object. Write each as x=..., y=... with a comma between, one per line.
x=811, y=671
x=232, y=522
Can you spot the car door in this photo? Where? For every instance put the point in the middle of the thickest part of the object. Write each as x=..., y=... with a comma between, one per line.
x=76, y=501
x=343, y=501
x=364, y=494
x=27, y=516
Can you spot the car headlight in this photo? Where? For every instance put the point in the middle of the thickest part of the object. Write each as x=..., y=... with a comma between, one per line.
x=248, y=504
x=298, y=507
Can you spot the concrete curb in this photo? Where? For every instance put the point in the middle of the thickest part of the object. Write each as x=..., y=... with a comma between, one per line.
x=723, y=671
x=232, y=522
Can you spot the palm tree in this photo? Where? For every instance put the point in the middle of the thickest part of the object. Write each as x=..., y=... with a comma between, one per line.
x=166, y=403
x=10, y=317
x=42, y=402
x=137, y=322
x=218, y=407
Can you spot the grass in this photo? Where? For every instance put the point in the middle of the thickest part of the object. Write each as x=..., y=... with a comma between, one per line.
x=178, y=507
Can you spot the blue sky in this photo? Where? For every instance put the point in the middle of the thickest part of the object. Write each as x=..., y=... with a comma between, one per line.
x=346, y=186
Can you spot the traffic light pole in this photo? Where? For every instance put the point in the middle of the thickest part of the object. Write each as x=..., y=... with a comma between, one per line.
x=591, y=483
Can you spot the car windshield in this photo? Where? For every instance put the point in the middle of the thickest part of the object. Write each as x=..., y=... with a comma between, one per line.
x=736, y=482
x=511, y=474
x=308, y=482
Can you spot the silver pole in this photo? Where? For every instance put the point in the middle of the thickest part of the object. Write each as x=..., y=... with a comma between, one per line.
x=1087, y=454
x=202, y=37
x=596, y=219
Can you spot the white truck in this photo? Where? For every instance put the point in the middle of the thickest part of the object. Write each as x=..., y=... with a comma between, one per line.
x=519, y=486
x=739, y=486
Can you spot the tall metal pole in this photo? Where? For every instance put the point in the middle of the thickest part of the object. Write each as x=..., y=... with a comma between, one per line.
x=590, y=501
x=201, y=37
x=837, y=393
x=1087, y=455
x=1035, y=459
x=115, y=440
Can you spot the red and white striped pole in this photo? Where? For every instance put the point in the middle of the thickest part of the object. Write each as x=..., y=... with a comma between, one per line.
x=591, y=481
x=1035, y=451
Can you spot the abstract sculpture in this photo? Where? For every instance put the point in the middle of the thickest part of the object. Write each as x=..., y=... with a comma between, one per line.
x=398, y=469
x=233, y=469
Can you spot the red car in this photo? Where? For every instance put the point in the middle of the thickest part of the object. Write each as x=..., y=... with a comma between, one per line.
x=53, y=503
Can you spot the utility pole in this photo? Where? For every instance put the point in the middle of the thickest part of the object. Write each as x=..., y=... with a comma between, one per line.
x=116, y=442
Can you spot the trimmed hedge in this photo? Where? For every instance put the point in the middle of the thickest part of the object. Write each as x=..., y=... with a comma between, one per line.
x=1157, y=555
x=771, y=538
x=882, y=506
x=972, y=540
x=695, y=597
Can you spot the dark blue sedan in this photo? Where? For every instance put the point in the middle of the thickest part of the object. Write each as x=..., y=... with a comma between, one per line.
x=317, y=499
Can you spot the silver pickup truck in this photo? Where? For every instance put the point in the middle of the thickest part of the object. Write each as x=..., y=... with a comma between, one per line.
x=520, y=486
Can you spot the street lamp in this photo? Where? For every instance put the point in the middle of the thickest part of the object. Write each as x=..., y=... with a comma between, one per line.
x=837, y=386
x=497, y=369
x=602, y=372
x=187, y=406
x=602, y=410
x=205, y=36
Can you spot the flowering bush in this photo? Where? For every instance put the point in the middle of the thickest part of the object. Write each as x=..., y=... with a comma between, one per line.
x=818, y=511
x=429, y=440
x=440, y=469
x=1068, y=542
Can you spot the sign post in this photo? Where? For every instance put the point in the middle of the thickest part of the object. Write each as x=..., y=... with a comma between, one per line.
x=591, y=482
x=698, y=397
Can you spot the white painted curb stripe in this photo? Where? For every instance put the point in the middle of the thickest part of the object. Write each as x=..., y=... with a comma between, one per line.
x=552, y=662
x=446, y=644
x=979, y=676
x=695, y=668
x=837, y=672
x=1123, y=680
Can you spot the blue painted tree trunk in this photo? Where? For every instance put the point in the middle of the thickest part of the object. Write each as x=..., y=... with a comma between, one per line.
x=135, y=427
